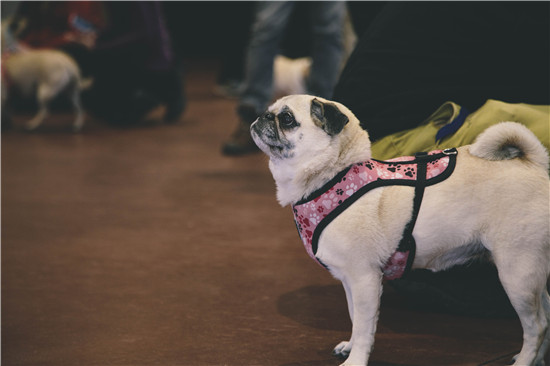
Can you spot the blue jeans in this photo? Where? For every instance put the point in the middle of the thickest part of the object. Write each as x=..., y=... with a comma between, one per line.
x=327, y=19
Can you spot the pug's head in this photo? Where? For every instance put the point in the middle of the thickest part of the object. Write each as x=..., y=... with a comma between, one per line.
x=308, y=139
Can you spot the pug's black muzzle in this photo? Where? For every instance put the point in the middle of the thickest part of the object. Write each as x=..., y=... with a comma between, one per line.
x=266, y=129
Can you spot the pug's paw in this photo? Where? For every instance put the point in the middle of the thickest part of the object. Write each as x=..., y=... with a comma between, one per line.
x=342, y=349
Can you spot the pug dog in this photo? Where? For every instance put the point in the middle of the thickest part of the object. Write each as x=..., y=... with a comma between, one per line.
x=493, y=201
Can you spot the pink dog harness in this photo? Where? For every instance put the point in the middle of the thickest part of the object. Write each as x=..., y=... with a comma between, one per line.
x=316, y=212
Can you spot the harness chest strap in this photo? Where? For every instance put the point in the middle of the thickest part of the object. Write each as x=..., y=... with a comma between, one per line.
x=316, y=212
x=401, y=261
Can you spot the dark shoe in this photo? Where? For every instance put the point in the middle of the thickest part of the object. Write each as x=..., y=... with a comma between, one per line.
x=247, y=113
x=240, y=142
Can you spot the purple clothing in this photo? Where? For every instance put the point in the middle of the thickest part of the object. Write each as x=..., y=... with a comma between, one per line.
x=138, y=26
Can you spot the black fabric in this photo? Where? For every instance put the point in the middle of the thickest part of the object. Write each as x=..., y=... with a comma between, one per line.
x=363, y=13
x=414, y=56
x=123, y=99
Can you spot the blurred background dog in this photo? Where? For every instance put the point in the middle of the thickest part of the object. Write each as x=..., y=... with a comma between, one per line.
x=43, y=74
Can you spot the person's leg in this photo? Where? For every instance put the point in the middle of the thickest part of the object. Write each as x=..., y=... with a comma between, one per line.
x=270, y=21
x=327, y=22
x=267, y=30
x=233, y=45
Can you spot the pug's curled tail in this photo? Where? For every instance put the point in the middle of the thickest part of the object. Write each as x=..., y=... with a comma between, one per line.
x=510, y=140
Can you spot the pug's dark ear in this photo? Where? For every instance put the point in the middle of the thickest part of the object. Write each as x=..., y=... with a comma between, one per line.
x=328, y=117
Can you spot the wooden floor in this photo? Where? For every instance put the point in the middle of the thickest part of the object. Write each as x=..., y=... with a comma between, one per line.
x=146, y=246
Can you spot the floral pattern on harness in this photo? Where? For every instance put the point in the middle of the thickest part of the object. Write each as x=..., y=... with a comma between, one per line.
x=309, y=214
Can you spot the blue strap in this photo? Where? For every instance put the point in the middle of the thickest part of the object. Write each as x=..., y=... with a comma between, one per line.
x=452, y=127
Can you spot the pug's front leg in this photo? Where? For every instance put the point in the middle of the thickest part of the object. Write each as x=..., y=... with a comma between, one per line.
x=364, y=293
x=343, y=348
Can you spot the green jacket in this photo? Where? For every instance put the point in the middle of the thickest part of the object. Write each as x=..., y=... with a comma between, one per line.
x=423, y=137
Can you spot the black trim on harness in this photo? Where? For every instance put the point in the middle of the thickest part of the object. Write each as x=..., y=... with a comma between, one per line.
x=338, y=177
x=381, y=183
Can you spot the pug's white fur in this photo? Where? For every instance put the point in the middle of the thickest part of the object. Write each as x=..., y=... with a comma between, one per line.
x=496, y=202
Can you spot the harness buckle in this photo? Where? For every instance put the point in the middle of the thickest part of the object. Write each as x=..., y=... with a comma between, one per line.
x=451, y=151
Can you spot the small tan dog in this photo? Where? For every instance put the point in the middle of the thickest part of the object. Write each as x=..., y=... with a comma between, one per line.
x=43, y=74
x=289, y=75
x=488, y=199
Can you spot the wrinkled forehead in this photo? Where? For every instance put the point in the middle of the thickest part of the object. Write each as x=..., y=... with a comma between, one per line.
x=294, y=103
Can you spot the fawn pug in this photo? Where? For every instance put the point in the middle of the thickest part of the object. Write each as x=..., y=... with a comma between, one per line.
x=488, y=199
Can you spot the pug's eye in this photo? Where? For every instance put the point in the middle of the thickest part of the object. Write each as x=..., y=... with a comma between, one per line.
x=286, y=120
